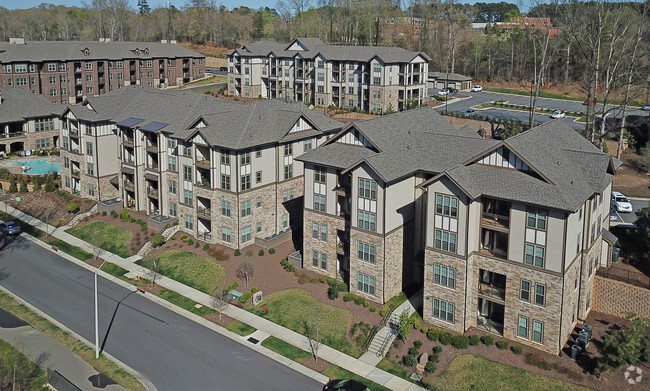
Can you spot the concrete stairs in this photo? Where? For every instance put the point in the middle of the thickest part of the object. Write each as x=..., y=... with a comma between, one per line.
x=167, y=233
x=82, y=216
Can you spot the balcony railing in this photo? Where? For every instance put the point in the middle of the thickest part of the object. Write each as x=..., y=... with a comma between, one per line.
x=203, y=163
x=205, y=213
x=496, y=220
x=151, y=192
x=492, y=291
x=152, y=166
x=12, y=134
x=128, y=185
x=128, y=142
x=75, y=151
x=73, y=132
x=495, y=252
x=76, y=173
x=203, y=183
x=152, y=148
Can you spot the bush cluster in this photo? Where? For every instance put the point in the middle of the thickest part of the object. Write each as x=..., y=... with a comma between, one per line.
x=517, y=349
x=503, y=344
x=72, y=207
x=487, y=340
x=157, y=240
x=288, y=266
x=271, y=251
x=460, y=342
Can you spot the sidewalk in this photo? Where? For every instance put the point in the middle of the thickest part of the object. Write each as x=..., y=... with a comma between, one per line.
x=264, y=327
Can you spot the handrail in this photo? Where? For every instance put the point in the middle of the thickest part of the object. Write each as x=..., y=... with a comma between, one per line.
x=371, y=336
x=387, y=340
x=389, y=312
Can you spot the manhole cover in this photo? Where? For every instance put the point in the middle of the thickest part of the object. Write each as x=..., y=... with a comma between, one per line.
x=253, y=340
x=198, y=306
x=101, y=381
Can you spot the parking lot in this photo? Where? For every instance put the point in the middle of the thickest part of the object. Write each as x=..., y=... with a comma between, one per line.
x=617, y=218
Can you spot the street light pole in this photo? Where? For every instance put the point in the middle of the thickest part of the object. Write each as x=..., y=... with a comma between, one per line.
x=447, y=95
x=97, y=315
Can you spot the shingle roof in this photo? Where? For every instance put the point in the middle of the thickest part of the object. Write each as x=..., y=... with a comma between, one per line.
x=452, y=76
x=39, y=51
x=18, y=104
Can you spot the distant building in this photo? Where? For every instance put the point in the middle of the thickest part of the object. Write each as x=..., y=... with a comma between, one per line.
x=367, y=78
x=542, y=24
x=437, y=80
x=70, y=71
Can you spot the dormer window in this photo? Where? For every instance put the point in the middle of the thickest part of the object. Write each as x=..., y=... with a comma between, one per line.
x=86, y=52
x=137, y=52
x=146, y=51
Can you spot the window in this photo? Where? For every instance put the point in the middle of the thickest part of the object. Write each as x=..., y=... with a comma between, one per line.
x=445, y=276
x=258, y=153
x=522, y=330
x=64, y=91
x=288, y=171
x=367, y=220
x=536, y=218
x=366, y=283
x=367, y=252
x=50, y=68
x=443, y=310
x=32, y=67
x=285, y=196
x=524, y=292
x=319, y=174
x=578, y=242
x=225, y=157
x=323, y=232
x=20, y=68
x=172, y=209
x=187, y=149
x=171, y=163
x=321, y=64
x=534, y=255
x=172, y=186
x=189, y=222
x=89, y=148
x=89, y=77
x=66, y=162
x=245, y=158
x=91, y=168
x=187, y=197
x=89, y=90
x=43, y=143
x=62, y=67
x=246, y=235
x=290, y=194
x=314, y=258
x=285, y=220
x=245, y=182
x=259, y=227
x=538, y=331
x=21, y=81
x=225, y=234
x=63, y=79
x=446, y=205
x=258, y=202
x=314, y=233
x=171, y=143
x=88, y=129
x=258, y=177
x=245, y=209
x=225, y=182
x=89, y=66
x=43, y=124
x=307, y=145
x=540, y=294
x=187, y=173
x=225, y=208
x=53, y=92
x=319, y=202
x=367, y=189
x=288, y=149
x=445, y=240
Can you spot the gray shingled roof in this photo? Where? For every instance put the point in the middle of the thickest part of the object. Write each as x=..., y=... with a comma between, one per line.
x=38, y=51
x=19, y=104
x=452, y=76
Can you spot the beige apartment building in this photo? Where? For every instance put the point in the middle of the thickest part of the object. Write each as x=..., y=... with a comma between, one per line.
x=225, y=170
x=27, y=121
x=502, y=235
x=71, y=71
x=367, y=78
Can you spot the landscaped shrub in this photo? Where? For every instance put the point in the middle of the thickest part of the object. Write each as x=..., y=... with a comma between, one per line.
x=72, y=207
x=416, y=324
x=502, y=344
x=433, y=334
x=343, y=287
x=373, y=309
x=50, y=186
x=157, y=240
x=125, y=215
x=12, y=186
x=348, y=297
x=197, y=245
x=517, y=349
x=366, y=304
x=417, y=343
x=143, y=227
x=245, y=297
x=413, y=351
x=232, y=286
x=430, y=367
x=23, y=187
x=104, y=213
x=249, y=253
x=382, y=313
x=132, y=219
x=183, y=237
x=323, y=279
x=358, y=300
x=424, y=330
x=474, y=339
x=487, y=340
x=460, y=342
x=190, y=242
x=206, y=247
x=261, y=253
x=288, y=266
x=409, y=361
x=435, y=357
x=254, y=290
x=331, y=281
x=139, y=221
x=271, y=251
x=333, y=292
x=437, y=349
x=445, y=337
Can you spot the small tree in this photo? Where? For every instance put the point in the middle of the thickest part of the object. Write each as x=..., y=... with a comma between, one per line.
x=312, y=332
x=98, y=250
x=220, y=295
x=623, y=347
x=23, y=187
x=12, y=186
x=245, y=271
x=50, y=186
x=404, y=325
x=389, y=109
x=154, y=269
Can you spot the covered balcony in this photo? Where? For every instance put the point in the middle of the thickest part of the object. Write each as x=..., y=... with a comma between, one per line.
x=203, y=208
x=151, y=183
x=496, y=214
x=494, y=243
x=492, y=285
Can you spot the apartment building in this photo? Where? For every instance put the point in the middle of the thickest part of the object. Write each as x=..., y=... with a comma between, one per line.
x=366, y=78
x=27, y=121
x=71, y=71
x=502, y=235
x=226, y=170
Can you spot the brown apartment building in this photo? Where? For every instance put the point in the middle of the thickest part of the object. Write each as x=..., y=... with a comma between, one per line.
x=71, y=71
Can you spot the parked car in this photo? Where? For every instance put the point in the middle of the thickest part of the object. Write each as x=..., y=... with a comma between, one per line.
x=621, y=203
x=451, y=90
x=223, y=69
x=585, y=103
x=10, y=228
x=558, y=114
x=345, y=385
x=443, y=92
x=477, y=88
x=470, y=112
x=646, y=108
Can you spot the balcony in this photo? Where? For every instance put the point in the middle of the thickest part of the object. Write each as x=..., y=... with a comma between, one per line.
x=152, y=148
x=73, y=132
x=152, y=192
x=492, y=291
x=75, y=151
x=204, y=213
x=492, y=285
x=77, y=69
x=152, y=166
x=128, y=185
x=76, y=174
x=204, y=163
x=494, y=243
x=12, y=134
x=495, y=221
x=128, y=142
x=204, y=183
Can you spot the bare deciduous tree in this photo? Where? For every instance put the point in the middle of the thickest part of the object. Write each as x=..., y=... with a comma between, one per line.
x=154, y=269
x=245, y=270
x=220, y=296
x=312, y=332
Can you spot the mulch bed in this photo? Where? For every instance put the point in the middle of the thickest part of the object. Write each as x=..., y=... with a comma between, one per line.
x=40, y=204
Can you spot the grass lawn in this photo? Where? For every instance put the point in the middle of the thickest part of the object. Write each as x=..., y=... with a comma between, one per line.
x=190, y=269
x=471, y=372
x=111, y=238
x=339, y=373
x=27, y=374
x=394, y=369
x=395, y=301
x=72, y=250
x=286, y=349
x=240, y=328
x=293, y=308
x=185, y=303
x=114, y=270
x=35, y=232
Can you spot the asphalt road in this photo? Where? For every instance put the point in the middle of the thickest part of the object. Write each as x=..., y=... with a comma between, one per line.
x=628, y=218
x=171, y=351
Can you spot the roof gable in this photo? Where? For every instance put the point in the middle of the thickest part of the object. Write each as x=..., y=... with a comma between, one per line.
x=354, y=136
x=502, y=155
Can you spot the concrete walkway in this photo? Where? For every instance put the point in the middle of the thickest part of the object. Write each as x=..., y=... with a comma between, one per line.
x=267, y=327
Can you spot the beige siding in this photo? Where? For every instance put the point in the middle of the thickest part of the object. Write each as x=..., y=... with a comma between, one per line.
x=399, y=203
x=516, y=245
x=445, y=186
x=366, y=173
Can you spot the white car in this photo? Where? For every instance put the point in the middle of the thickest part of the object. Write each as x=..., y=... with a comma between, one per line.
x=621, y=203
x=443, y=92
x=477, y=88
x=558, y=114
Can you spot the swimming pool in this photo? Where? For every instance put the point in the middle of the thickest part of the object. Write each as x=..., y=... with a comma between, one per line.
x=35, y=166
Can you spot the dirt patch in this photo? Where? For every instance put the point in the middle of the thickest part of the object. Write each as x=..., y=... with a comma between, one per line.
x=632, y=178
x=49, y=207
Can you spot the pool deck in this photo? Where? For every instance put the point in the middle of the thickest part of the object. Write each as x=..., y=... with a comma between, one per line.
x=17, y=170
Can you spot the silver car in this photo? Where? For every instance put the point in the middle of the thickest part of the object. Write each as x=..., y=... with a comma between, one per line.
x=621, y=203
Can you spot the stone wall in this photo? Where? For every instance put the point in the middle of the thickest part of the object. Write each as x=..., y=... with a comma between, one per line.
x=383, y=287
x=616, y=297
x=454, y=295
x=587, y=273
x=328, y=247
x=571, y=297
x=397, y=256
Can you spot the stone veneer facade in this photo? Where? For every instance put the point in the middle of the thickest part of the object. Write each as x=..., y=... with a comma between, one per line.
x=328, y=247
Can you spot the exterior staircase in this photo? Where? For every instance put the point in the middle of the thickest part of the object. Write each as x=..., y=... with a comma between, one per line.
x=380, y=344
x=167, y=233
x=82, y=216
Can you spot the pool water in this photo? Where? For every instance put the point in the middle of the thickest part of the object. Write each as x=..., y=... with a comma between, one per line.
x=36, y=166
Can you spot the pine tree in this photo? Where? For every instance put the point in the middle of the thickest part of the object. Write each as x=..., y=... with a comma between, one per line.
x=143, y=7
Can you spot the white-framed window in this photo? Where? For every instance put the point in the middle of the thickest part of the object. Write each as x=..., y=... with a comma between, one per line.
x=367, y=189
x=445, y=240
x=365, y=283
x=91, y=168
x=288, y=171
x=225, y=208
x=319, y=202
x=540, y=294
x=307, y=144
x=187, y=197
x=320, y=174
x=538, y=331
x=522, y=330
x=258, y=202
x=245, y=209
x=189, y=222
x=446, y=205
x=246, y=235
x=285, y=221
x=445, y=276
x=225, y=234
x=172, y=209
x=89, y=66
x=171, y=163
x=187, y=173
x=172, y=186
x=225, y=182
x=367, y=221
x=245, y=158
x=366, y=252
x=524, y=291
x=536, y=218
x=534, y=255
x=258, y=176
x=245, y=182
x=443, y=310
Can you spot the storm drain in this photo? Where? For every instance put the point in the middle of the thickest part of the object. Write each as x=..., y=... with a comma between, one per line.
x=253, y=341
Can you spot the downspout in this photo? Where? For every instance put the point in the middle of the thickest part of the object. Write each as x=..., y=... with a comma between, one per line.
x=99, y=191
x=237, y=159
x=566, y=219
x=582, y=251
x=466, y=262
x=277, y=179
x=383, y=212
